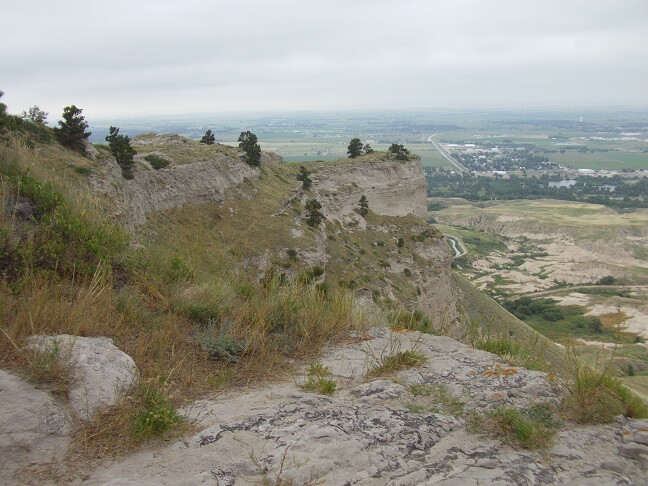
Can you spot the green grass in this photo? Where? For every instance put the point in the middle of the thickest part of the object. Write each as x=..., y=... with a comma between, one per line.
x=530, y=429
x=156, y=161
x=157, y=416
x=597, y=397
x=319, y=380
x=392, y=363
x=602, y=160
x=436, y=399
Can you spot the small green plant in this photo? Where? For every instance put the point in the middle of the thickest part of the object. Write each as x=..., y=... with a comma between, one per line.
x=157, y=415
x=156, y=161
x=218, y=343
x=436, y=398
x=319, y=380
x=364, y=206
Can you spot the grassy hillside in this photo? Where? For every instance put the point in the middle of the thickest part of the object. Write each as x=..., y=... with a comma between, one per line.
x=187, y=299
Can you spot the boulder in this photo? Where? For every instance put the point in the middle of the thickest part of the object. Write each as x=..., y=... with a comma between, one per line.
x=100, y=371
x=34, y=429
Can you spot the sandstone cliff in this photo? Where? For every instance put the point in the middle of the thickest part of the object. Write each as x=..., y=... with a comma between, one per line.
x=213, y=171
x=392, y=187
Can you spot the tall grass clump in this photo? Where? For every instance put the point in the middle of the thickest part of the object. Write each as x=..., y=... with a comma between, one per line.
x=529, y=355
x=596, y=397
x=528, y=429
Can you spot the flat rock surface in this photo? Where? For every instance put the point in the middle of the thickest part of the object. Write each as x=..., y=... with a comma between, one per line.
x=364, y=434
x=34, y=430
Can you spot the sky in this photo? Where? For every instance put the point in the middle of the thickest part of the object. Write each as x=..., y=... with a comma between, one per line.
x=129, y=58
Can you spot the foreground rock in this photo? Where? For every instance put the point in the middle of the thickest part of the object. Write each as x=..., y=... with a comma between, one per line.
x=365, y=435
x=34, y=430
x=100, y=371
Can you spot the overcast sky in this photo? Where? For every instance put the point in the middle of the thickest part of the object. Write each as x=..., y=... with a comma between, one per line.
x=121, y=58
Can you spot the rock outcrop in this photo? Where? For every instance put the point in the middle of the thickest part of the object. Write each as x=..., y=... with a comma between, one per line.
x=392, y=187
x=100, y=371
x=34, y=429
x=367, y=433
x=206, y=179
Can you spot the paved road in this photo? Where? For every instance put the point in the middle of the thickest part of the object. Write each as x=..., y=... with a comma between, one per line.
x=446, y=155
x=457, y=245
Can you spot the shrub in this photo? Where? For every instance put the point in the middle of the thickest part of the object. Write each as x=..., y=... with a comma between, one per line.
x=156, y=161
x=319, y=380
x=218, y=343
x=64, y=241
x=157, y=415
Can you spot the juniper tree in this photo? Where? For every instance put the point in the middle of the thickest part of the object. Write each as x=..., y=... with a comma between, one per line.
x=71, y=132
x=303, y=177
x=121, y=148
x=313, y=215
x=248, y=142
x=208, y=138
x=399, y=150
x=354, y=148
x=36, y=115
x=367, y=149
x=364, y=205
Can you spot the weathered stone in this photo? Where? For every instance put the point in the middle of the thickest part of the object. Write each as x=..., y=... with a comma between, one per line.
x=33, y=427
x=100, y=371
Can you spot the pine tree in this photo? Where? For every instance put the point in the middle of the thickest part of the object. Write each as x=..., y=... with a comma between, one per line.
x=303, y=177
x=36, y=115
x=208, y=138
x=313, y=216
x=354, y=148
x=121, y=148
x=364, y=205
x=248, y=142
x=399, y=150
x=71, y=132
x=367, y=149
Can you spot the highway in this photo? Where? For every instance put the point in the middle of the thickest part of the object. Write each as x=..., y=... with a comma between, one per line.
x=446, y=155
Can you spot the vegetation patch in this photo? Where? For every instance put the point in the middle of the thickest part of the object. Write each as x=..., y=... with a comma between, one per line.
x=531, y=429
x=320, y=380
x=156, y=161
x=596, y=397
x=387, y=365
x=435, y=399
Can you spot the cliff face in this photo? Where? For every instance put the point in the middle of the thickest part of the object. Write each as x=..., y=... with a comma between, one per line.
x=206, y=179
x=392, y=187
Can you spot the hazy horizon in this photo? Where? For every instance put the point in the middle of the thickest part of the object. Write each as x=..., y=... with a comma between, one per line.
x=124, y=59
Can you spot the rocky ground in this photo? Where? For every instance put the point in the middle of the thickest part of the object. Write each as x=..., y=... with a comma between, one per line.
x=365, y=433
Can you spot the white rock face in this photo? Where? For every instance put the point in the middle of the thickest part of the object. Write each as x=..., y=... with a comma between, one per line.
x=392, y=187
x=34, y=430
x=365, y=435
x=101, y=372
